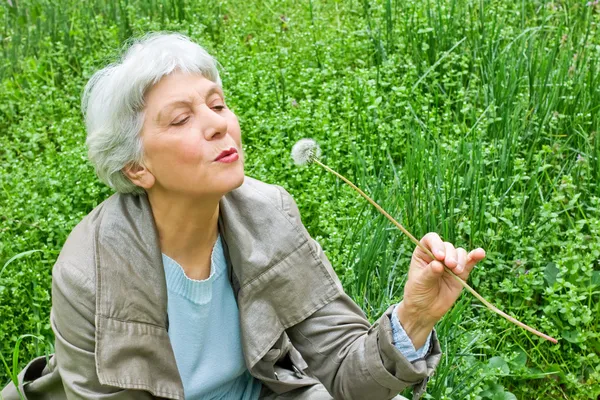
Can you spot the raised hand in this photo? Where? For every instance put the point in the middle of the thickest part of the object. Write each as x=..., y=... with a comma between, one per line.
x=429, y=292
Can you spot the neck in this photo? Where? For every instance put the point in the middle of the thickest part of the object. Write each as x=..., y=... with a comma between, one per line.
x=187, y=230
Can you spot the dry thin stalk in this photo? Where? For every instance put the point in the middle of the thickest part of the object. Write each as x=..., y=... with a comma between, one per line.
x=426, y=250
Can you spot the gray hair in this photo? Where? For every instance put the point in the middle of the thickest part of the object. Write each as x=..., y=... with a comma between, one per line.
x=113, y=100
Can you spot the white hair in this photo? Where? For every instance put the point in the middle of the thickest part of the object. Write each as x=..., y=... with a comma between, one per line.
x=113, y=100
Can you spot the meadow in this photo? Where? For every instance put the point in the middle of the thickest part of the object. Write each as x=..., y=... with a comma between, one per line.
x=479, y=120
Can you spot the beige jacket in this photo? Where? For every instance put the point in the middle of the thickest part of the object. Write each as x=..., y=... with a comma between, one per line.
x=300, y=331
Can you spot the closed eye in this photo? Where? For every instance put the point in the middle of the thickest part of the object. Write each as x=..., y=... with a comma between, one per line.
x=182, y=122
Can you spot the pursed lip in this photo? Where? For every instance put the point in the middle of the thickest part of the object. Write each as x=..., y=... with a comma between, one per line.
x=225, y=153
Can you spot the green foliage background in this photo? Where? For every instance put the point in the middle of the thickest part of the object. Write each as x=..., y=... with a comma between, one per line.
x=478, y=120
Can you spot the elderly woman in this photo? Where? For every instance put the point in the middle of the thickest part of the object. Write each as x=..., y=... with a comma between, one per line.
x=194, y=281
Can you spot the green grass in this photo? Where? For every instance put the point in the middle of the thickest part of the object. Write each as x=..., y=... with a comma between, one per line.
x=477, y=120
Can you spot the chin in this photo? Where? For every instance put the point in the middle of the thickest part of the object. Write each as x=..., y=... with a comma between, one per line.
x=233, y=181
x=239, y=182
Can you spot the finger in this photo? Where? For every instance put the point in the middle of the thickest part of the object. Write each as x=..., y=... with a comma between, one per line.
x=434, y=243
x=451, y=259
x=462, y=261
x=432, y=274
x=473, y=258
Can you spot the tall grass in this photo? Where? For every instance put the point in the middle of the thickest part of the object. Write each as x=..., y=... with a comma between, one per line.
x=477, y=120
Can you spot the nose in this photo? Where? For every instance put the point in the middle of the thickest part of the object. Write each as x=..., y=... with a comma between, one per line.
x=213, y=125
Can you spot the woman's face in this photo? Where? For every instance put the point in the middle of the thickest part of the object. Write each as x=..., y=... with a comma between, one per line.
x=186, y=127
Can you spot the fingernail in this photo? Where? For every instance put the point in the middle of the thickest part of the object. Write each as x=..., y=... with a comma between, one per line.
x=439, y=253
x=451, y=260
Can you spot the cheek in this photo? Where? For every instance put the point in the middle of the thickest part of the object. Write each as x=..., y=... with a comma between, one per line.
x=172, y=155
x=188, y=153
x=187, y=149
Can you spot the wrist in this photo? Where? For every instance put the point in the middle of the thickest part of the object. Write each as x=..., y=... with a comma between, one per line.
x=416, y=325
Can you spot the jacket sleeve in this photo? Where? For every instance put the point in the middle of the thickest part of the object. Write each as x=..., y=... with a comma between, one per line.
x=355, y=360
x=352, y=358
x=72, y=318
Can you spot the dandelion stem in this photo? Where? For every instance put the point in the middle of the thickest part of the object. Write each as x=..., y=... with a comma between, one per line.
x=426, y=250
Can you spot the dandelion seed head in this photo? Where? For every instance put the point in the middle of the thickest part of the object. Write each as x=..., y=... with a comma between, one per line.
x=304, y=150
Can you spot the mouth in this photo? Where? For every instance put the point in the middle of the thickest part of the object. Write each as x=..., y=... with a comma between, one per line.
x=229, y=155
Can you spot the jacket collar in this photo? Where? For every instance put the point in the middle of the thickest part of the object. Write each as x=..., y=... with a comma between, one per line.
x=130, y=280
x=131, y=284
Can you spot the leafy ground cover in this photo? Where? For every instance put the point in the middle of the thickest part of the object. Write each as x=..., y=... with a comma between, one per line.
x=478, y=120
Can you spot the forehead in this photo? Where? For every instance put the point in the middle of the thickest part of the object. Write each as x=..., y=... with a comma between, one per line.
x=179, y=86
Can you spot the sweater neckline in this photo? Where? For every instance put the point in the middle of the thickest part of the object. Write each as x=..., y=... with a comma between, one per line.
x=198, y=291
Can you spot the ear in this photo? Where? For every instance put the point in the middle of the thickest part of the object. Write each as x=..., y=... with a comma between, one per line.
x=139, y=175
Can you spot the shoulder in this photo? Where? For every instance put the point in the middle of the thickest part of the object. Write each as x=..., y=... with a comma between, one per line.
x=258, y=191
x=75, y=265
x=261, y=194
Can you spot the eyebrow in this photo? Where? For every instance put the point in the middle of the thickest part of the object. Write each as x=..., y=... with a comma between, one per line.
x=179, y=103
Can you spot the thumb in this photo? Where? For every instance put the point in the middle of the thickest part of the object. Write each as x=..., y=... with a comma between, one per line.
x=432, y=273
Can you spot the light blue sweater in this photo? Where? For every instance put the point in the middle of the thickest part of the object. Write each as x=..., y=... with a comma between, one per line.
x=204, y=331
